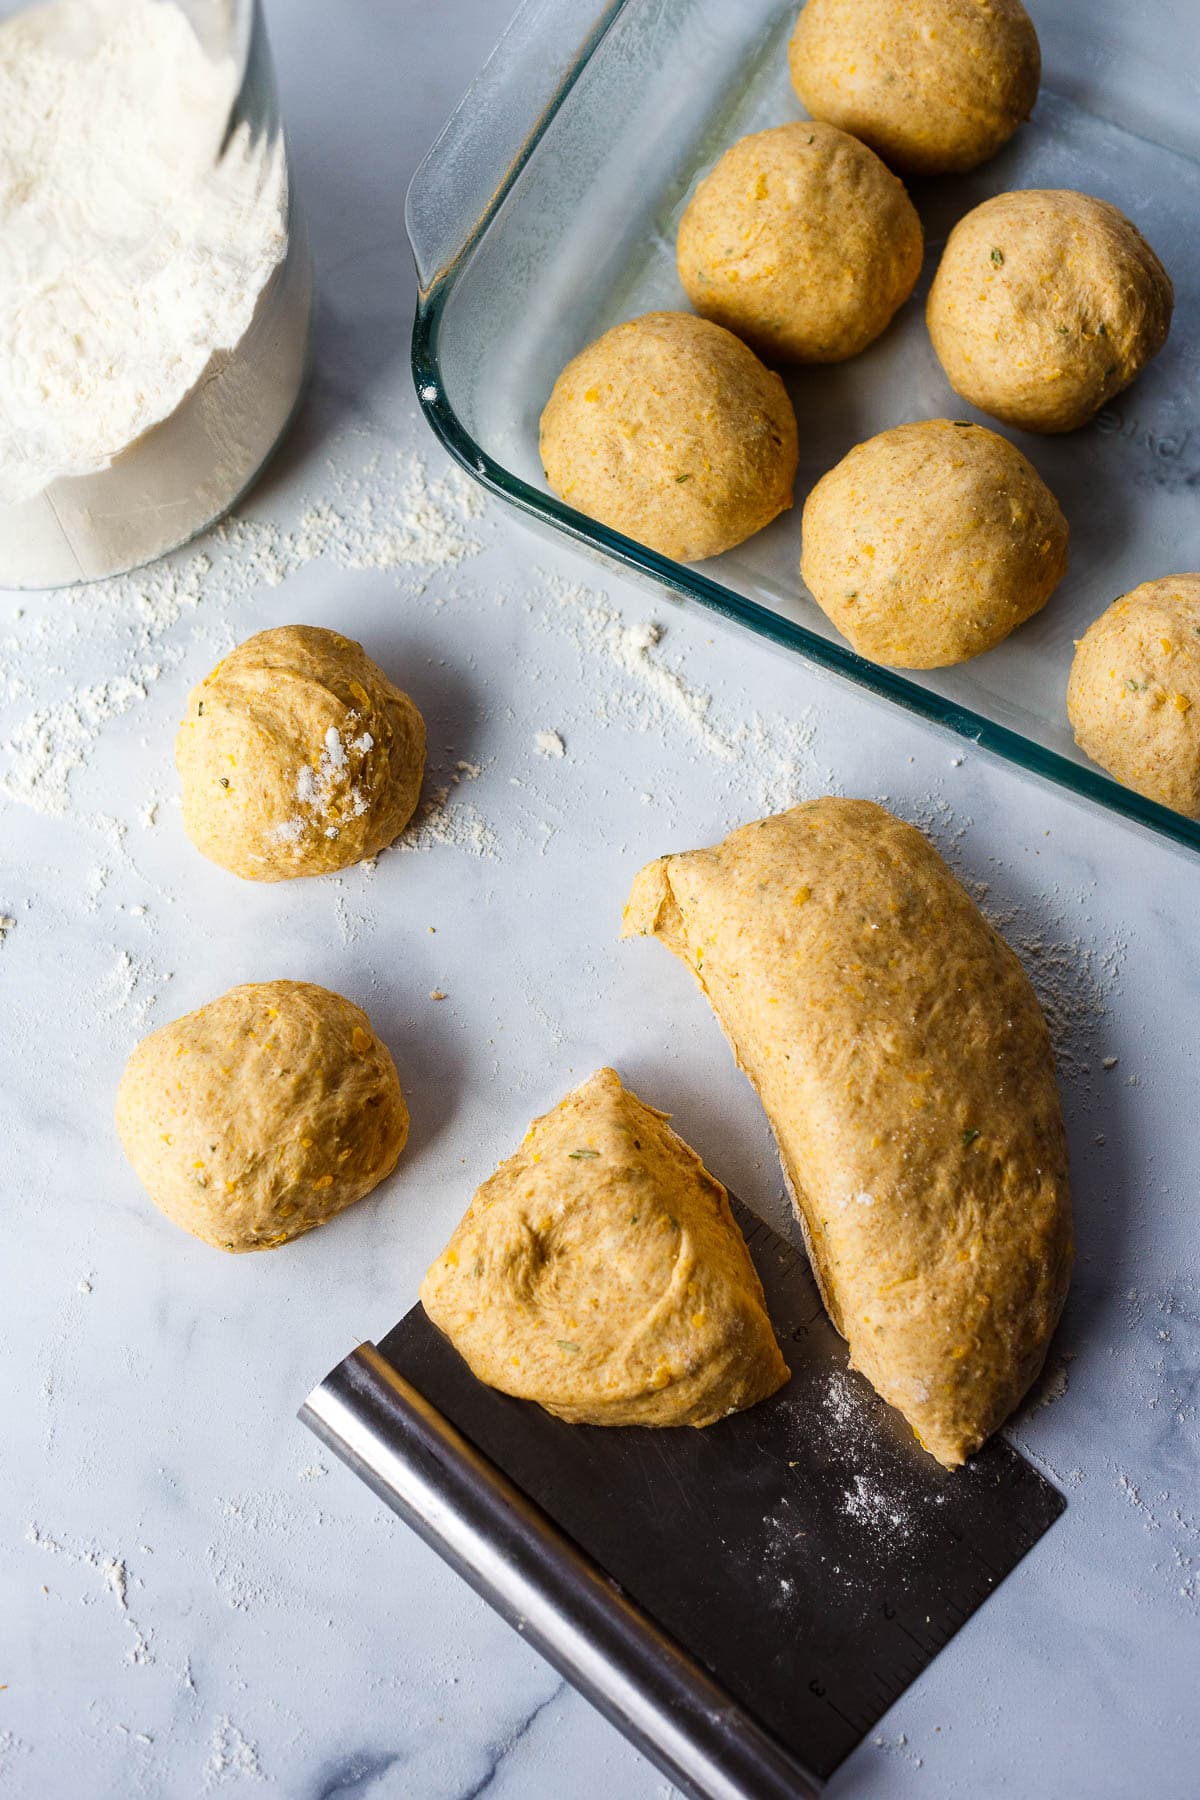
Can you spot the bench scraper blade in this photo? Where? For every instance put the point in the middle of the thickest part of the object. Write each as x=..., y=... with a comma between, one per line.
x=744, y=1602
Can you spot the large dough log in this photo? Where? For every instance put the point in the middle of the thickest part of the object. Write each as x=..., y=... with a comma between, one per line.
x=906, y=1070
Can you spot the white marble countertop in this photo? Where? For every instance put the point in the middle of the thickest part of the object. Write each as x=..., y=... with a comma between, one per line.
x=193, y=1597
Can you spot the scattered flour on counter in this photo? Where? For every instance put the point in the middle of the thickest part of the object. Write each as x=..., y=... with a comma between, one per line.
x=940, y=821
x=600, y=632
x=53, y=742
x=1173, y=1531
x=10, y=1746
x=117, y=1581
x=457, y=827
x=240, y=1591
x=445, y=819
x=388, y=514
x=231, y=1755
x=770, y=761
x=1133, y=1494
x=549, y=743
x=97, y=881
x=1055, y=1380
x=113, y=1572
x=1075, y=980
x=137, y=1737
x=232, y=1555
x=898, y=1746
x=350, y=921
x=128, y=990
x=1163, y=1326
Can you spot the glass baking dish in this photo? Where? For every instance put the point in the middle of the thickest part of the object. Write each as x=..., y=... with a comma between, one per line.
x=546, y=212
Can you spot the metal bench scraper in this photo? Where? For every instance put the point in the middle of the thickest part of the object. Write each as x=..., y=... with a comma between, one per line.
x=743, y=1602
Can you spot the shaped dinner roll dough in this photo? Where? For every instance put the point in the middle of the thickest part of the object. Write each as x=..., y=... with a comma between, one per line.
x=670, y=430
x=930, y=542
x=262, y=1114
x=932, y=85
x=600, y=1272
x=905, y=1067
x=801, y=242
x=1045, y=304
x=1134, y=692
x=297, y=756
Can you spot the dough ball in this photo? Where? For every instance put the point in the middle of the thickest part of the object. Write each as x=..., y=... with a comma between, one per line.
x=671, y=431
x=932, y=85
x=801, y=242
x=262, y=1114
x=297, y=756
x=1045, y=304
x=601, y=1273
x=1134, y=693
x=930, y=542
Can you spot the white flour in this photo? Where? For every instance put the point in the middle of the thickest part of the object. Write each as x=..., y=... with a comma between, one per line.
x=388, y=515
x=443, y=819
x=768, y=761
x=317, y=789
x=230, y=1755
x=115, y=1576
x=133, y=251
x=872, y=1506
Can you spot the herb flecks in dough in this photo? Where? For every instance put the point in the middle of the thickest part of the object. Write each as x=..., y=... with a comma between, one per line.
x=262, y=1114
x=862, y=1044
x=603, y=1311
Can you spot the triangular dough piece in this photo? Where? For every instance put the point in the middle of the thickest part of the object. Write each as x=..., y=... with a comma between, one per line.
x=601, y=1273
x=905, y=1067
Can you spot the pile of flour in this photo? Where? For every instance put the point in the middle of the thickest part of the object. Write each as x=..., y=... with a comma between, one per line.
x=134, y=247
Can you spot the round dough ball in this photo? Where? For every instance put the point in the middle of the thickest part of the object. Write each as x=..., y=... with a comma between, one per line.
x=930, y=542
x=1045, y=304
x=297, y=756
x=932, y=85
x=801, y=242
x=1134, y=693
x=671, y=431
x=262, y=1114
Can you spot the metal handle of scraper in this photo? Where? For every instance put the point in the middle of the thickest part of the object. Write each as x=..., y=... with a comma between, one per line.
x=559, y=1599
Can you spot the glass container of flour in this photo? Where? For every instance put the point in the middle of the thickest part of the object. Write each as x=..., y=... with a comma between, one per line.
x=155, y=282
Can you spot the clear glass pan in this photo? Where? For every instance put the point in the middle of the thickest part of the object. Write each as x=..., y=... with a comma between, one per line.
x=546, y=212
